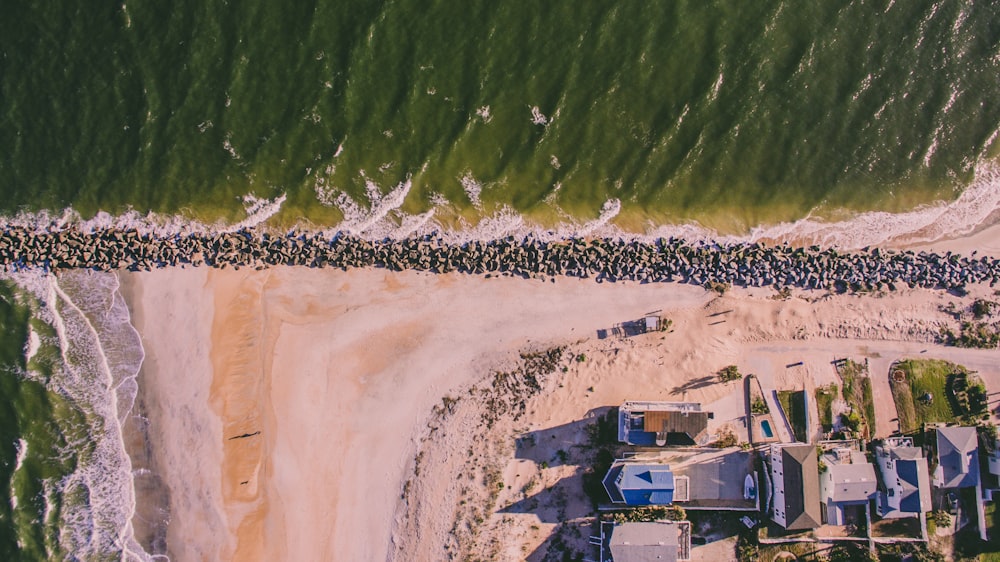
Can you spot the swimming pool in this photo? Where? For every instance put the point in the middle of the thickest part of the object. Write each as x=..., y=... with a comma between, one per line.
x=765, y=426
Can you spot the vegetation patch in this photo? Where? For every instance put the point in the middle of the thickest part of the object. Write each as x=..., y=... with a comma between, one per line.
x=720, y=288
x=650, y=513
x=793, y=402
x=976, y=328
x=824, y=403
x=729, y=373
x=920, y=392
x=759, y=406
x=978, y=335
x=908, y=551
x=857, y=392
x=968, y=395
x=603, y=440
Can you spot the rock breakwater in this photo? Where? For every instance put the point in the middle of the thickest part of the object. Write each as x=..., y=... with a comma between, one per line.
x=665, y=260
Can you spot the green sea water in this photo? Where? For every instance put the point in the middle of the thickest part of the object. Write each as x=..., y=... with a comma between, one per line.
x=728, y=113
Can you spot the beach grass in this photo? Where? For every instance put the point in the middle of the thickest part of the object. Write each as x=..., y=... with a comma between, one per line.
x=922, y=377
x=793, y=403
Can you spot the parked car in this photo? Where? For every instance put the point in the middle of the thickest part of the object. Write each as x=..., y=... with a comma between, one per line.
x=952, y=500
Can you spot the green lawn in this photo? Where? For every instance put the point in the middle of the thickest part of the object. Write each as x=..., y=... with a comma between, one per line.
x=990, y=511
x=793, y=403
x=923, y=376
x=824, y=403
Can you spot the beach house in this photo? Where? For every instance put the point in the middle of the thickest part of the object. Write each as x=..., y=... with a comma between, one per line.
x=905, y=490
x=795, y=480
x=957, y=458
x=662, y=541
x=847, y=482
x=663, y=423
x=637, y=483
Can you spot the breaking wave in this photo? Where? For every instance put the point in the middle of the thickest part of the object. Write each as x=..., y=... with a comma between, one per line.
x=99, y=357
x=379, y=216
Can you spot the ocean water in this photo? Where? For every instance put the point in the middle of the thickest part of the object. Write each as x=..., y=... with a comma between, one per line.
x=727, y=115
x=852, y=123
x=68, y=361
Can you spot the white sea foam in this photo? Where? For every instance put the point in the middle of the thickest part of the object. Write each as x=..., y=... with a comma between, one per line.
x=379, y=215
x=376, y=219
x=537, y=117
x=228, y=146
x=21, y=450
x=473, y=189
x=609, y=210
x=929, y=223
x=258, y=211
x=484, y=114
x=101, y=354
x=32, y=346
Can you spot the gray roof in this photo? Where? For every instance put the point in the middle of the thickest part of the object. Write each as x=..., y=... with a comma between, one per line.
x=851, y=482
x=958, y=456
x=911, y=470
x=801, y=480
x=644, y=542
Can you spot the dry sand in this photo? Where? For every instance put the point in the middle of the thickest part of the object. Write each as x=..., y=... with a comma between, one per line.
x=340, y=373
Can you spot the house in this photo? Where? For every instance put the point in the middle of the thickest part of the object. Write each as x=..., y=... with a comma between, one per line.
x=663, y=423
x=704, y=478
x=665, y=541
x=958, y=457
x=795, y=479
x=906, y=490
x=636, y=483
x=848, y=480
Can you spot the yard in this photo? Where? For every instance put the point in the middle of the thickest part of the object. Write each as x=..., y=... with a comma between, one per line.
x=793, y=403
x=824, y=403
x=857, y=393
x=990, y=509
x=919, y=388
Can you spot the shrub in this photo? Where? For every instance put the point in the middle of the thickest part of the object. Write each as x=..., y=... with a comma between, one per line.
x=941, y=518
x=729, y=373
x=651, y=513
x=982, y=308
x=759, y=406
x=972, y=335
x=726, y=439
x=851, y=420
x=720, y=288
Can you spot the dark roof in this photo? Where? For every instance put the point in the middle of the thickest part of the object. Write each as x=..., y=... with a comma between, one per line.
x=644, y=542
x=801, y=480
x=691, y=424
x=958, y=457
x=609, y=484
x=906, y=470
x=909, y=469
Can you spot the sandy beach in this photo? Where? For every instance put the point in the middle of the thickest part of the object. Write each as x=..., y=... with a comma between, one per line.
x=286, y=407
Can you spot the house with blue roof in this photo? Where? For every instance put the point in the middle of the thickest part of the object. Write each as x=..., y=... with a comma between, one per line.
x=636, y=483
x=905, y=489
x=958, y=457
